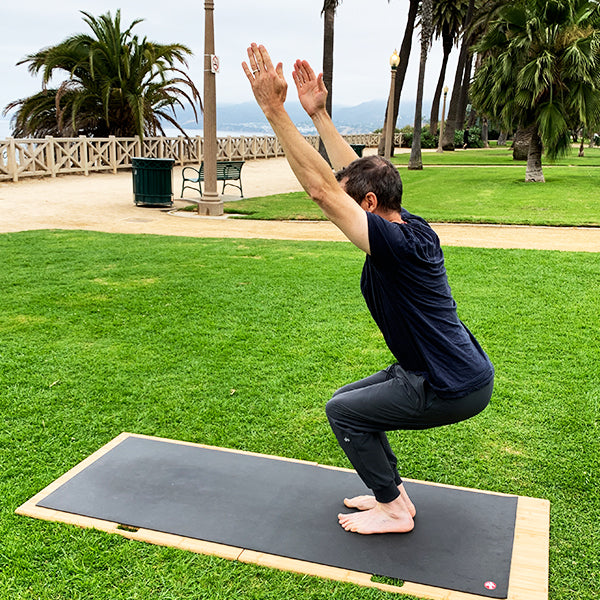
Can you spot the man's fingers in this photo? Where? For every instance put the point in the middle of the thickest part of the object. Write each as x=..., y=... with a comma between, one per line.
x=263, y=55
x=320, y=83
x=247, y=71
x=252, y=57
x=297, y=73
x=259, y=58
x=307, y=70
x=303, y=73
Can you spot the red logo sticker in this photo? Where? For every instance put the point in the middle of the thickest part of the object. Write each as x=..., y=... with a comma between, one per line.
x=489, y=585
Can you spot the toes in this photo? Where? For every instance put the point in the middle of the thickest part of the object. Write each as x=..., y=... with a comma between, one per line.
x=346, y=520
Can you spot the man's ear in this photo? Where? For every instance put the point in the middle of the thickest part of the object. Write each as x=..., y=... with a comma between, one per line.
x=370, y=202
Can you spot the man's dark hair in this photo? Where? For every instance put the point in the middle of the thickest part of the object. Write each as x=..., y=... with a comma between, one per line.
x=373, y=174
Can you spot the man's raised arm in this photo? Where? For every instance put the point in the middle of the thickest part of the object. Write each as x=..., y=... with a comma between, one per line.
x=313, y=173
x=312, y=94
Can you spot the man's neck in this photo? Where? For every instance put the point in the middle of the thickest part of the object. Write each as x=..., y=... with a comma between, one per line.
x=393, y=216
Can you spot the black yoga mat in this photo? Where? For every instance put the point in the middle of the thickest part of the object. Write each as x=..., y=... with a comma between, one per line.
x=462, y=540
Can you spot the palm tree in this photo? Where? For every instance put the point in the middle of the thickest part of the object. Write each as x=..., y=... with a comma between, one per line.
x=328, y=13
x=415, y=161
x=448, y=17
x=541, y=69
x=476, y=22
x=404, y=54
x=117, y=84
x=454, y=118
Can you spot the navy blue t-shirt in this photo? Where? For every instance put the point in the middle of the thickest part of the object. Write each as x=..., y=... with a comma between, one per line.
x=405, y=286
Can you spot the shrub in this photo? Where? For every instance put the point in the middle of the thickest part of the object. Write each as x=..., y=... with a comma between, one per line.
x=427, y=140
x=475, y=140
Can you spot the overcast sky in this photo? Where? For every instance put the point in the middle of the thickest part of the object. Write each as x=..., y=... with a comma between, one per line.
x=366, y=33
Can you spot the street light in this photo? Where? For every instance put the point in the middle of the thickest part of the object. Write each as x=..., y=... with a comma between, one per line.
x=389, y=125
x=439, y=148
x=210, y=203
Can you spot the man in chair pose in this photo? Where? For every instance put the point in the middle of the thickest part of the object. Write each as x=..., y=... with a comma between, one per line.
x=442, y=375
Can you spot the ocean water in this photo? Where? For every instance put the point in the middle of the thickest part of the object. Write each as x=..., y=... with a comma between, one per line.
x=169, y=131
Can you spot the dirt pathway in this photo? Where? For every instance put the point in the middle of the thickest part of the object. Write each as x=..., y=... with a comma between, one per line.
x=104, y=202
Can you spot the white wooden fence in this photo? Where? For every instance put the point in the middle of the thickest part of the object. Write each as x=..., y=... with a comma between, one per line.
x=49, y=156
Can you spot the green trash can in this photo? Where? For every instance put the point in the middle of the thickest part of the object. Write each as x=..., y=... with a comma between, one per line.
x=358, y=148
x=152, y=181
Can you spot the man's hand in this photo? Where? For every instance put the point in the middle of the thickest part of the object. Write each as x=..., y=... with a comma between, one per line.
x=311, y=169
x=268, y=83
x=312, y=92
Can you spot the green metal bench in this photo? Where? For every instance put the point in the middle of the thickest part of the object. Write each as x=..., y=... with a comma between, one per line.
x=227, y=171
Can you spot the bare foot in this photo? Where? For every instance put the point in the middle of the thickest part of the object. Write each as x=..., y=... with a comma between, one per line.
x=409, y=505
x=367, y=502
x=391, y=517
x=361, y=502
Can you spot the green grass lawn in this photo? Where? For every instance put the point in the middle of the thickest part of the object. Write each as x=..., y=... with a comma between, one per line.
x=239, y=343
x=500, y=156
x=570, y=196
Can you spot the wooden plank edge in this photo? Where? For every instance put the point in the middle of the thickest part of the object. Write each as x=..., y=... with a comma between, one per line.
x=529, y=571
x=354, y=577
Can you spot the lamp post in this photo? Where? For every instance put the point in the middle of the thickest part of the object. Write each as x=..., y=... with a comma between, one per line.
x=439, y=148
x=389, y=124
x=211, y=203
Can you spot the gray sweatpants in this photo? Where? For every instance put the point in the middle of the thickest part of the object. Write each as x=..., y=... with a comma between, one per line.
x=360, y=413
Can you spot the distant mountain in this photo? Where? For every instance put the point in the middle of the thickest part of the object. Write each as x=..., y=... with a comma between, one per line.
x=248, y=118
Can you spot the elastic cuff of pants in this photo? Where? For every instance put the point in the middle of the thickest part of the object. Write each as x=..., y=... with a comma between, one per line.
x=387, y=494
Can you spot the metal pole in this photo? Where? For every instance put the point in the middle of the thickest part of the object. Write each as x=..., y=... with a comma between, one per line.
x=211, y=203
x=439, y=148
x=389, y=125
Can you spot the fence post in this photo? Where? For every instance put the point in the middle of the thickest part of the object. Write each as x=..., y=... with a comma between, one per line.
x=181, y=150
x=12, y=159
x=50, y=155
x=112, y=153
x=140, y=147
x=84, y=154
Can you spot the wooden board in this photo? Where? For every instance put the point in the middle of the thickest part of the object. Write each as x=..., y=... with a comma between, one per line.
x=529, y=566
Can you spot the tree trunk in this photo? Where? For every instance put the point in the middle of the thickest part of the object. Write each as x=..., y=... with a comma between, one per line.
x=534, y=171
x=464, y=92
x=416, y=162
x=400, y=72
x=484, y=132
x=581, y=153
x=472, y=118
x=502, y=138
x=435, y=106
x=328, y=29
x=450, y=125
x=521, y=142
